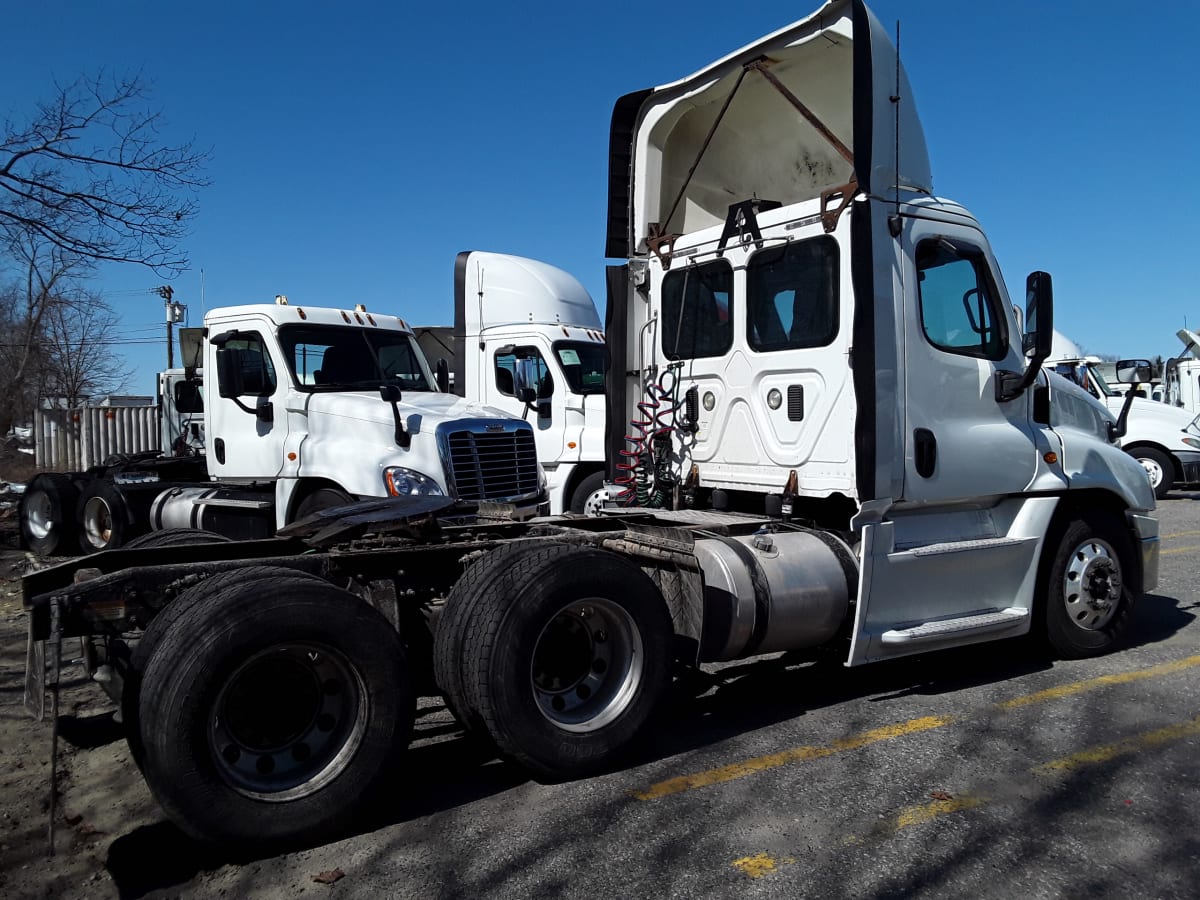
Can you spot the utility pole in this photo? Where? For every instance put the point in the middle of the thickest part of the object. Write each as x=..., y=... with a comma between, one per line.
x=175, y=313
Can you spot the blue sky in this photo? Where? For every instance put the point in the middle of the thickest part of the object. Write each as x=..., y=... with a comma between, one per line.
x=358, y=147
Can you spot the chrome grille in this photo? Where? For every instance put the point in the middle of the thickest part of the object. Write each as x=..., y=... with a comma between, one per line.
x=492, y=465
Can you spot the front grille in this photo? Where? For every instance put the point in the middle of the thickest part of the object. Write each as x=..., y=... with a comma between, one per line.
x=492, y=466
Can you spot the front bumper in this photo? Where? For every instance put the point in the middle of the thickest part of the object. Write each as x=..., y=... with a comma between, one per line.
x=1189, y=462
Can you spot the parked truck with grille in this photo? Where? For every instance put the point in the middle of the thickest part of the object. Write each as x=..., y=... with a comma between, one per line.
x=526, y=339
x=306, y=408
x=829, y=435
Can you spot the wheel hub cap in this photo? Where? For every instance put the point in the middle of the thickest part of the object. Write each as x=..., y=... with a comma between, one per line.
x=1092, y=585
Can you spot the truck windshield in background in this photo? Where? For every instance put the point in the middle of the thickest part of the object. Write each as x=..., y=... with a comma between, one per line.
x=335, y=358
x=582, y=364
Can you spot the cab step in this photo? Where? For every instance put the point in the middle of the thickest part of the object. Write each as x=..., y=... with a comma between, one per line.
x=985, y=621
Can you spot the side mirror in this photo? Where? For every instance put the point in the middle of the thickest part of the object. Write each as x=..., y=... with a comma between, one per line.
x=1135, y=371
x=442, y=376
x=1039, y=315
x=1035, y=340
x=229, y=373
x=526, y=380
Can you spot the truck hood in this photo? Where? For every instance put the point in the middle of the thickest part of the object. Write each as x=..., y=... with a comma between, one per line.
x=1149, y=414
x=420, y=410
x=794, y=114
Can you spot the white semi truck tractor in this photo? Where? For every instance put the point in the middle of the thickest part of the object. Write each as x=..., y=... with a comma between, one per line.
x=834, y=439
x=302, y=408
x=527, y=340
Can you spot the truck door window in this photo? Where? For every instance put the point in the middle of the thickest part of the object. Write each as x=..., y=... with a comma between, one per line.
x=258, y=374
x=959, y=308
x=792, y=296
x=582, y=365
x=697, y=304
x=506, y=368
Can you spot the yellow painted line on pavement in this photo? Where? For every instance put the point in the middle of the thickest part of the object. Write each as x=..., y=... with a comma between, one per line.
x=1105, y=752
x=784, y=757
x=1179, y=550
x=761, y=864
x=919, y=815
x=1078, y=687
x=758, y=764
x=1180, y=534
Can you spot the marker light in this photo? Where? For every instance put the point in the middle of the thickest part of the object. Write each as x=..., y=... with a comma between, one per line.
x=709, y=400
x=1050, y=457
x=774, y=398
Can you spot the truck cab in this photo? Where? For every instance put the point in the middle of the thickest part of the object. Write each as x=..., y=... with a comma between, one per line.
x=814, y=333
x=331, y=405
x=527, y=340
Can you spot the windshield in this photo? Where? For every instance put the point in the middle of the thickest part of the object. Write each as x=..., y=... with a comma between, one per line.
x=583, y=366
x=337, y=358
x=1101, y=384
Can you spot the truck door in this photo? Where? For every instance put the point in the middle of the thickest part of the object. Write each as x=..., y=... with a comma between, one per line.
x=247, y=433
x=549, y=409
x=959, y=441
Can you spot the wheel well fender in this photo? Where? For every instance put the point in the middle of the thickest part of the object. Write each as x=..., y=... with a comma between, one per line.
x=580, y=472
x=1075, y=504
x=301, y=489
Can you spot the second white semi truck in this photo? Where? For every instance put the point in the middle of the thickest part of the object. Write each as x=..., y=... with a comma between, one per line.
x=527, y=340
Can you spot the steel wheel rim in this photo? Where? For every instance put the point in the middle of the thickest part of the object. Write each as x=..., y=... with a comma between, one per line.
x=39, y=515
x=595, y=502
x=98, y=522
x=587, y=665
x=1092, y=585
x=1153, y=469
x=287, y=721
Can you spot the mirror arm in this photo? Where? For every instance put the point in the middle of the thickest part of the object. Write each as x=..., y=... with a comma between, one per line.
x=1116, y=430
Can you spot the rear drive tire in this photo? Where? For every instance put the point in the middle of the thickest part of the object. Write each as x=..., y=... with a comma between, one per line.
x=164, y=623
x=272, y=716
x=1088, y=594
x=450, y=634
x=103, y=517
x=177, y=537
x=47, y=514
x=566, y=657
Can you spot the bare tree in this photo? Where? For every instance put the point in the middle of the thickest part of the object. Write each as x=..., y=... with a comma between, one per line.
x=88, y=175
x=80, y=363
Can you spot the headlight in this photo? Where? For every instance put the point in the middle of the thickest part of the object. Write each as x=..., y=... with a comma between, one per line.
x=1192, y=442
x=400, y=482
x=541, y=479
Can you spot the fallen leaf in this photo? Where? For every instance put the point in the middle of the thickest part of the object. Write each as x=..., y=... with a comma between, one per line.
x=329, y=877
x=941, y=795
x=88, y=830
x=72, y=820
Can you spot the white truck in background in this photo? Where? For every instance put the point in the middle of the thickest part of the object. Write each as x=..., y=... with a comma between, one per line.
x=1181, y=374
x=1164, y=439
x=527, y=340
x=307, y=408
x=845, y=446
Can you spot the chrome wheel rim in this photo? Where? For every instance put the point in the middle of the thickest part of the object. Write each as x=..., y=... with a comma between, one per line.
x=287, y=721
x=98, y=522
x=39, y=515
x=1092, y=585
x=595, y=502
x=587, y=665
x=1153, y=470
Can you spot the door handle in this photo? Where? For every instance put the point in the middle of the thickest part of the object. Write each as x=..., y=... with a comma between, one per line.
x=924, y=452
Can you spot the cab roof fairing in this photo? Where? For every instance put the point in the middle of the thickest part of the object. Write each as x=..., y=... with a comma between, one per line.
x=763, y=147
x=501, y=290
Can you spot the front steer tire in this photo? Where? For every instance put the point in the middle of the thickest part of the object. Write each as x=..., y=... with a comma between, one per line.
x=1089, y=586
x=566, y=658
x=272, y=716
